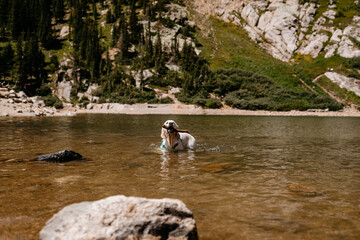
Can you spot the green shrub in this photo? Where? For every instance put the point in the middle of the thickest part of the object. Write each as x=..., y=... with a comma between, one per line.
x=84, y=103
x=52, y=101
x=246, y=90
x=84, y=99
x=166, y=100
x=167, y=22
x=98, y=92
x=184, y=97
x=102, y=99
x=43, y=90
x=213, y=103
x=200, y=101
x=58, y=104
x=73, y=93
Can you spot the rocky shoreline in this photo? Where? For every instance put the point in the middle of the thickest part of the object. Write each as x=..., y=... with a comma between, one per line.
x=19, y=105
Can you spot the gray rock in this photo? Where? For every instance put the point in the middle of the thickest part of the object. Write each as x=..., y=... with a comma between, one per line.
x=61, y=156
x=64, y=90
x=121, y=217
x=144, y=75
x=90, y=106
x=21, y=94
x=347, y=49
x=64, y=32
x=350, y=84
x=288, y=27
x=175, y=12
x=4, y=94
x=314, y=45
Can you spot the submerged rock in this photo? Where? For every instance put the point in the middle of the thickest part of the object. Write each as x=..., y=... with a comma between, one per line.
x=61, y=156
x=121, y=217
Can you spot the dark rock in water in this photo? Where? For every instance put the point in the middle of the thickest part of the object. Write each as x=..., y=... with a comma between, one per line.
x=61, y=156
x=121, y=217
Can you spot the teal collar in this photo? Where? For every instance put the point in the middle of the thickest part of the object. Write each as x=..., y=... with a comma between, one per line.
x=172, y=148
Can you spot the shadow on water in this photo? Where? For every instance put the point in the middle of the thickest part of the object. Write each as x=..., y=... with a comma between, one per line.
x=251, y=177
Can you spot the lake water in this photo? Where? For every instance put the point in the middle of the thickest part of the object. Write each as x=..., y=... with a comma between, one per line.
x=251, y=178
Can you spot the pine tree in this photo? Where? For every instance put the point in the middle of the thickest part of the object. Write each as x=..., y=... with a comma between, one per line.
x=109, y=17
x=123, y=42
x=4, y=16
x=6, y=60
x=117, y=8
x=16, y=19
x=93, y=55
x=94, y=10
x=135, y=27
x=149, y=51
x=114, y=35
x=159, y=57
x=59, y=10
x=19, y=72
x=45, y=31
x=35, y=63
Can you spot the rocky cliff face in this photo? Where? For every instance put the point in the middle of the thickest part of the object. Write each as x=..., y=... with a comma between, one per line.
x=286, y=28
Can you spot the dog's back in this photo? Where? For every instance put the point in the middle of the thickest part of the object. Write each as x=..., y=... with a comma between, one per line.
x=188, y=140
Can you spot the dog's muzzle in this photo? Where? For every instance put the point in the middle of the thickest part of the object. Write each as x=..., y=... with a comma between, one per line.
x=170, y=129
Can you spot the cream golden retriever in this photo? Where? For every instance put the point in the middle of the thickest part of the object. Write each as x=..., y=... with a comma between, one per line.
x=175, y=139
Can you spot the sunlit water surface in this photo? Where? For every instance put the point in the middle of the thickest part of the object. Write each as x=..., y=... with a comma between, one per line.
x=251, y=178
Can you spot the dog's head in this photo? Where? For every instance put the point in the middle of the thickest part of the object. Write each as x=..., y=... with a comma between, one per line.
x=169, y=128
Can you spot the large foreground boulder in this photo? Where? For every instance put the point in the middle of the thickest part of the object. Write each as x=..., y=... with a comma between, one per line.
x=61, y=156
x=121, y=217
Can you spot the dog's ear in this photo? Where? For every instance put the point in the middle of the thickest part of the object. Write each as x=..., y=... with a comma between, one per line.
x=163, y=133
x=175, y=125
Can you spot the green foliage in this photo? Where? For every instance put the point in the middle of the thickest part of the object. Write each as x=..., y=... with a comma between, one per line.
x=353, y=63
x=166, y=100
x=6, y=61
x=199, y=101
x=29, y=65
x=246, y=90
x=213, y=103
x=167, y=22
x=109, y=17
x=43, y=90
x=52, y=101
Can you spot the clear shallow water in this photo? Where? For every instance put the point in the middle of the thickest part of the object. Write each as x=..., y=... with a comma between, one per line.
x=252, y=177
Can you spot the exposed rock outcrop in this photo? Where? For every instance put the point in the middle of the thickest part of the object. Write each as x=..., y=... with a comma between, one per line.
x=61, y=156
x=121, y=217
x=287, y=27
x=350, y=84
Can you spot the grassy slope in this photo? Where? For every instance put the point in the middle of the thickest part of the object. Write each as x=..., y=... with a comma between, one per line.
x=228, y=46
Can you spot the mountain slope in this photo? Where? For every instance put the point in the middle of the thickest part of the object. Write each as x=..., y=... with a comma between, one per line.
x=301, y=68
x=135, y=51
